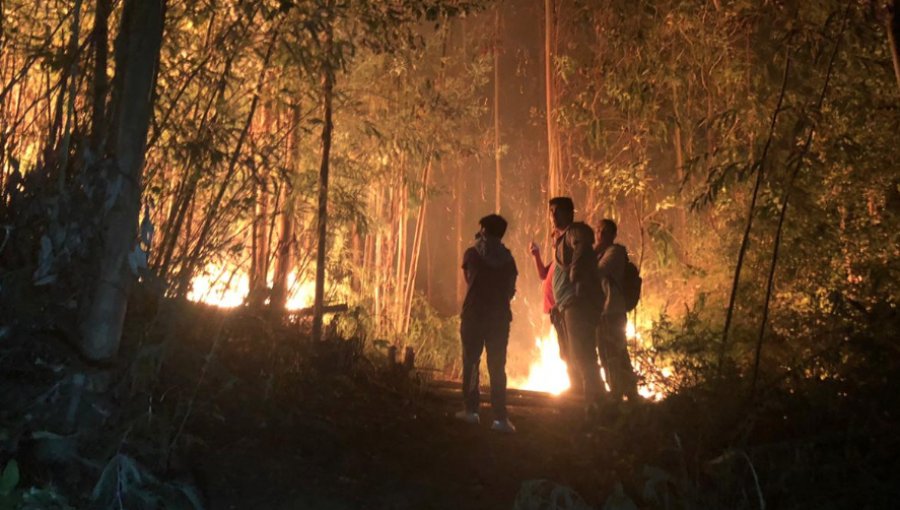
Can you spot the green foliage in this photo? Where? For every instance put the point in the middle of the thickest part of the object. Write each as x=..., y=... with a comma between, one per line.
x=124, y=482
x=547, y=495
x=9, y=479
x=435, y=338
x=14, y=497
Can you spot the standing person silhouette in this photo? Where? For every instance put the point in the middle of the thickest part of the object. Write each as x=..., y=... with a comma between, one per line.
x=611, y=338
x=576, y=295
x=490, y=272
x=545, y=273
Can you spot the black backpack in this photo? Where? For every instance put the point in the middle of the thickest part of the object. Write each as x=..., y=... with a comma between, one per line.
x=631, y=285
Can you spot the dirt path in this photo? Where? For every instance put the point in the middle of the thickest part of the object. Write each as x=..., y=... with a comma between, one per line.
x=393, y=453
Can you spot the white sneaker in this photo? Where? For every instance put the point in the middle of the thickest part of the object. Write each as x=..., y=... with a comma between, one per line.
x=466, y=416
x=504, y=426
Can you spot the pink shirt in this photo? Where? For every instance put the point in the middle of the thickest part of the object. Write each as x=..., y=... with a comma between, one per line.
x=547, y=289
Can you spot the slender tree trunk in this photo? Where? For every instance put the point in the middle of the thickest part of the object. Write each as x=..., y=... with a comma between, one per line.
x=553, y=184
x=284, y=262
x=260, y=257
x=402, y=227
x=429, y=264
x=70, y=95
x=459, y=193
x=378, y=280
x=321, y=247
x=100, y=85
x=680, y=215
x=893, y=34
x=137, y=62
x=260, y=263
x=745, y=240
x=389, y=261
x=417, y=248
x=786, y=200
x=497, y=155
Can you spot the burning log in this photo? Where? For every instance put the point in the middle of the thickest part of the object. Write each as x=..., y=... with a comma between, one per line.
x=308, y=312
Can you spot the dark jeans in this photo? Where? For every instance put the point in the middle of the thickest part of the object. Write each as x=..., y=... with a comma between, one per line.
x=613, y=349
x=478, y=335
x=565, y=348
x=581, y=323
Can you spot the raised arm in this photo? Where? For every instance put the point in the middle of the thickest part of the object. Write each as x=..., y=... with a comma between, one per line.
x=542, y=270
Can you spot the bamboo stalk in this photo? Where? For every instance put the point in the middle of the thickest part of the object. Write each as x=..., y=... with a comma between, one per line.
x=745, y=240
x=786, y=200
x=321, y=246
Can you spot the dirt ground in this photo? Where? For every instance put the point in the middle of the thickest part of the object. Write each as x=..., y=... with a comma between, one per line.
x=390, y=452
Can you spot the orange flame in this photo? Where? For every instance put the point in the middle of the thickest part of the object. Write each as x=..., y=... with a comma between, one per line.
x=226, y=286
x=547, y=372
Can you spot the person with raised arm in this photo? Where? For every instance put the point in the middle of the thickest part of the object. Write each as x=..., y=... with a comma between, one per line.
x=490, y=273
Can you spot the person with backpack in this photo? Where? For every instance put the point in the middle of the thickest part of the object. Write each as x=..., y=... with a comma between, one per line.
x=575, y=293
x=490, y=273
x=616, y=276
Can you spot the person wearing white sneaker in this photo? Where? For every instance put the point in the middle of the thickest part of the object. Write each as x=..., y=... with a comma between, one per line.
x=468, y=417
x=490, y=272
x=504, y=426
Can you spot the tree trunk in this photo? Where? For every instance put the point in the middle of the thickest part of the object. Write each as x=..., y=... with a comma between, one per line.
x=260, y=257
x=402, y=226
x=70, y=95
x=893, y=33
x=798, y=165
x=459, y=193
x=746, y=237
x=497, y=108
x=680, y=230
x=553, y=184
x=137, y=59
x=260, y=262
x=284, y=262
x=101, y=51
x=321, y=247
x=417, y=248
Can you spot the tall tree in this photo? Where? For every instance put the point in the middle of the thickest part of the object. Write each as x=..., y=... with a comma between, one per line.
x=284, y=250
x=892, y=27
x=137, y=59
x=497, y=152
x=328, y=73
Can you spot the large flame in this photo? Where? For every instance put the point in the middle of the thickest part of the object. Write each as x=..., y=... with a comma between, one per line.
x=227, y=287
x=547, y=372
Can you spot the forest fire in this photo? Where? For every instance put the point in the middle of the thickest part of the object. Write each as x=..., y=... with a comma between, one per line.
x=547, y=372
x=228, y=287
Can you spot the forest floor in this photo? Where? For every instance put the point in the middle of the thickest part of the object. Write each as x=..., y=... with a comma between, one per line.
x=345, y=434
x=248, y=416
x=388, y=451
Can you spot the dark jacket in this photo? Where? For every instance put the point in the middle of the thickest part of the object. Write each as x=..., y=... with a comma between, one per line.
x=490, y=272
x=575, y=255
